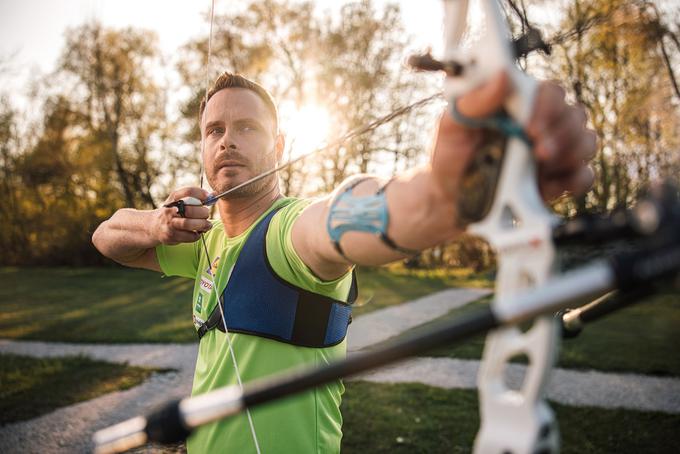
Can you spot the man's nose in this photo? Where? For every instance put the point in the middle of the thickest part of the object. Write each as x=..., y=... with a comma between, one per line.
x=227, y=142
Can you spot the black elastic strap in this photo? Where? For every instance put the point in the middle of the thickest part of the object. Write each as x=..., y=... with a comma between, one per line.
x=311, y=319
x=389, y=241
x=180, y=205
x=214, y=321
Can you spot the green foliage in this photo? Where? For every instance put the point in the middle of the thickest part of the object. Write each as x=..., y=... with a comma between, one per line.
x=90, y=154
x=614, y=67
x=11, y=234
x=30, y=387
x=413, y=418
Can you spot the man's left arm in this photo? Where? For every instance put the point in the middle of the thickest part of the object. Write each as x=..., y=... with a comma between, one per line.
x=420, y=207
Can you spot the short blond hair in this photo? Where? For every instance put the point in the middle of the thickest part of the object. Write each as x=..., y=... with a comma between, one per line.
x=230, y=80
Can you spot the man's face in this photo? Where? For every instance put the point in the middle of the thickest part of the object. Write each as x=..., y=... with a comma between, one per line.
x=239, y=141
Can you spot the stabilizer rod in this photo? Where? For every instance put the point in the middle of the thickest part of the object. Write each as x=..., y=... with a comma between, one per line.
x=175, y=421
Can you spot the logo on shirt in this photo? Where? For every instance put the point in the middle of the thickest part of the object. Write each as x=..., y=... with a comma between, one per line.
x=206, y=284
x=197, y=321
x=212, y=269
x=199, y=303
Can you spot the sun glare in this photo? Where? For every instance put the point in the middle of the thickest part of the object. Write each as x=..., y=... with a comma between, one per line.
x=306, y=128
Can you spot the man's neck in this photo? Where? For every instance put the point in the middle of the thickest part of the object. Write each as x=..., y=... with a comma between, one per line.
x=239, y=213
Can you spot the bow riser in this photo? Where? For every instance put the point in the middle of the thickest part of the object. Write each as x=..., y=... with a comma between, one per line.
x=519, y=227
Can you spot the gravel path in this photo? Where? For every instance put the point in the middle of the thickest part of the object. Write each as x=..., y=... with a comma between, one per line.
x=171, y=356
x=69, y=429
x=570, y=387
x=378, y=326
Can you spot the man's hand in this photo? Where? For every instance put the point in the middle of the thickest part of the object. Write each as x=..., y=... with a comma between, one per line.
x=130, y=236
x=562, y=143
x=423, y=204
x=171, y=228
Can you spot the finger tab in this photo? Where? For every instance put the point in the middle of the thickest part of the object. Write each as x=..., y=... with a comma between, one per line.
x=191, y=201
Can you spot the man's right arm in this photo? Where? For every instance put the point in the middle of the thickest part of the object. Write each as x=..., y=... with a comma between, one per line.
x=130, y=236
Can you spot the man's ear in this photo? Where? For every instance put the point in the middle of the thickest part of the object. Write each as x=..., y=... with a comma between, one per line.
x=279, y=146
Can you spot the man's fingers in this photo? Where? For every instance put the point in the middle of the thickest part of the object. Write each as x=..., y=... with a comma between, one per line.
x=169, y=234
x=196, y=212
x=567, y=143
x=589, y=145
x=189, y=211
x=562, y=143
x=173, y=228
x=549, y=108
x=197, y=193
x=487, y=99
x=181, y=236
x=190, y=225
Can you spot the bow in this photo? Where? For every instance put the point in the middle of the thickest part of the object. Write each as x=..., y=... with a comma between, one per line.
x=524, y=233
x=519, y=227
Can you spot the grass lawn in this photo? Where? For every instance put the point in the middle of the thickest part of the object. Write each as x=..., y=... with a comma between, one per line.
x=642, y=338
x=118, y=305
x=413, y=418
x=94, y=305
x=122, y=305
x=392, y=285
x=30, y=387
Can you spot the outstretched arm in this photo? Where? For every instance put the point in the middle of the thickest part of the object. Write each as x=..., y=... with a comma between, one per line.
x=422, y=204
x=130, y=236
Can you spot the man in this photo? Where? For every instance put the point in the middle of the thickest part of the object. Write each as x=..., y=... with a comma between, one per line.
x=283, y=267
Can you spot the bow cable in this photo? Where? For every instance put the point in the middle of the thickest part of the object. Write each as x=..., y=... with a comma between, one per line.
x=220, y=299
x=211, y=200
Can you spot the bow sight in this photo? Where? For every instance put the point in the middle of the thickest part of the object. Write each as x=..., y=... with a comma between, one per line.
x=527, y=43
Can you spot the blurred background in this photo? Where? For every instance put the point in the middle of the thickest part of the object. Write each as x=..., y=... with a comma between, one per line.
x=99, y=100
x=98, y=111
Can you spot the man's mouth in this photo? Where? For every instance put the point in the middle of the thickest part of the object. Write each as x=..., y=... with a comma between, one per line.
x=230, y=165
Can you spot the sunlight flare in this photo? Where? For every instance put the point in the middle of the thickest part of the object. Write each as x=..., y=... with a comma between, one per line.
x=306, y=128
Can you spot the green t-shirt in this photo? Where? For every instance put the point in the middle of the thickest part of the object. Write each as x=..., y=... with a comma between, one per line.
x=307, y=423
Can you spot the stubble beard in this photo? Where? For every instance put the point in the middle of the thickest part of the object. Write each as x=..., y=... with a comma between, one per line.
x=249, y=190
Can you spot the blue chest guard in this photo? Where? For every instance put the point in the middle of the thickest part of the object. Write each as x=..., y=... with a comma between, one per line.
x=257, y=301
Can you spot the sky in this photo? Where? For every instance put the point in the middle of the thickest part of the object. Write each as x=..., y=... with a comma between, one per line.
x=31, y=31
x=32, y=38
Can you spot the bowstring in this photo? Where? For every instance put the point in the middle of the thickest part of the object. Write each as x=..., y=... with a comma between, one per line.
x=334, y=144
x=218, y=297
x=213, y=199
x=342, y=139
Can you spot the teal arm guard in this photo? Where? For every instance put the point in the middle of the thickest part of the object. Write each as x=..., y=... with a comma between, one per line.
x=361, y=214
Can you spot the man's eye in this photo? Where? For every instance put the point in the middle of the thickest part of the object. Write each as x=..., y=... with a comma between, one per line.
x=213, y=131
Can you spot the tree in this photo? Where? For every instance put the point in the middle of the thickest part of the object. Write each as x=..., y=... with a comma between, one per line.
x=96, y=148
x=118, y=103
x=12, y=236
x=613, y=69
